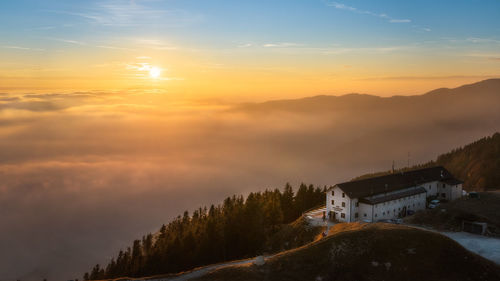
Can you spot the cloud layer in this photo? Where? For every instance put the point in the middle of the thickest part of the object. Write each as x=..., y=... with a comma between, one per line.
x=84, y=173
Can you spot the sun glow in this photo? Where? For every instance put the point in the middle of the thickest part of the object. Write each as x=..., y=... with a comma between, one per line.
x=155, y=72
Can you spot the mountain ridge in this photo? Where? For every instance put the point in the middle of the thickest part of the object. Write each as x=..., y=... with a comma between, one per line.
x=484, y=85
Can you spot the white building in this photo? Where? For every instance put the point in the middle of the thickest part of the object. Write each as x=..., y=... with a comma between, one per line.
x=390, y=196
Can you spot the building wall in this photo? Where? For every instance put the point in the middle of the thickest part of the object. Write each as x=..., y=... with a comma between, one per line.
x=335, y=194
x=387, y=210
x=437, y=189
x=451, y=192
x=354, y=210
x=365, y=212
x=393, y=209
x=457, y=192
x=432, y=188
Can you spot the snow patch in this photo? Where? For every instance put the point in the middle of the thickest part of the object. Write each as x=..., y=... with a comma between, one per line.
x=259, y=261
x=387, y=265
x=486, y=247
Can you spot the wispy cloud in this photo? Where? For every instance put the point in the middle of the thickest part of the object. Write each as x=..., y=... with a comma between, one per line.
x=332, y=49
x=448, y=77
x=126, y=13
x=113, y=47
x=69, y=41
x=477, y=40
x=399, y=21
x=386, y=17
x=246, y=45
x=366, y=50
x=94, y=45
x=21, y=48
x=281, y=45
x=155, y=44
x=143, y=70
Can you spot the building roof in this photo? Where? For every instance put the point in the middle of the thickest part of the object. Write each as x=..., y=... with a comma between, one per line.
x=452, y=181
x=393, y=182
x=394, y=196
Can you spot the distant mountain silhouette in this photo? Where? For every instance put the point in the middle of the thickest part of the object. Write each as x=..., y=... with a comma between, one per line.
x=458, y=96
x=359, y=133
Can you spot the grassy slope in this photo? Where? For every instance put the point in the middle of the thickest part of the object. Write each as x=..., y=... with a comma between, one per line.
x=293, y=235
x=484, y=209
x=370, y=252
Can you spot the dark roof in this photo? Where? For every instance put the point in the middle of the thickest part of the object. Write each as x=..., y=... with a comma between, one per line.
x=393, y=196
x=452, y=181
x=393, y=182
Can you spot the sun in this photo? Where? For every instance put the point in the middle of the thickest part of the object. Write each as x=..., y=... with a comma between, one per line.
x=155, y=72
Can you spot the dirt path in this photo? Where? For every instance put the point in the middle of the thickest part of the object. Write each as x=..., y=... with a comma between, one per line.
x=202, y=271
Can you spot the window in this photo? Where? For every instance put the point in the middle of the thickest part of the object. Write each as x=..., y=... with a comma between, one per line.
x=443, y=185
x=343, y=204
x=333, y=202
x=333, y=193
x=357, y=204
x=342, y=215
x=364, y=215
x=343, y=195
x=443, y=195
x=383, y=213
x=375, y=215
x=356, y=215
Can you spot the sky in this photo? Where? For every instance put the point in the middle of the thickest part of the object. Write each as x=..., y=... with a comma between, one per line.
x=118, y=115
x=247, y=50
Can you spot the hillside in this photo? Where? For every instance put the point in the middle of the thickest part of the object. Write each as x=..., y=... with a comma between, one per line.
x=264, y=222
x=477, y=164
x=370, y=252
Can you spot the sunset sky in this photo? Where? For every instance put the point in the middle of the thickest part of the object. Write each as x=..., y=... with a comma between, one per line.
x=118, y=115
x=246, y=50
